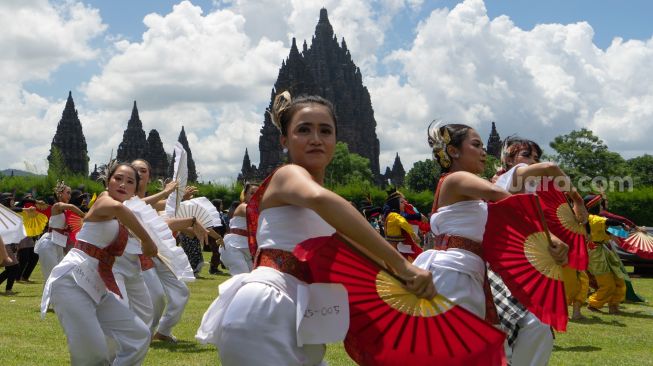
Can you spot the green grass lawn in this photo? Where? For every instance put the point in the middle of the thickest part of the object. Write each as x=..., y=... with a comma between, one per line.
x=25, y=339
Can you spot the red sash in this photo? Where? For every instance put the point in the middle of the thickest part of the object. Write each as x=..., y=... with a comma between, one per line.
x=146, y=262
x=253, y=212
x=107, y=256
x=241, y=232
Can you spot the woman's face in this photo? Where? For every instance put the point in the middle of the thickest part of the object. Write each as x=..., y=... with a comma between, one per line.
x=311, y=137
x=526, y=157
x=250, y=192
x=143, y=171
x=64, y=196
x=471, y=155
x=122, y=184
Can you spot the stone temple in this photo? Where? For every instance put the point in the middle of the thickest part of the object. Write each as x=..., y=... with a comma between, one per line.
x=326, y=69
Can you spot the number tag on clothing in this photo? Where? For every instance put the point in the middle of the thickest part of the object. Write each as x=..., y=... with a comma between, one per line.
x=322, y=313
x=58, y=238
x=88, y=278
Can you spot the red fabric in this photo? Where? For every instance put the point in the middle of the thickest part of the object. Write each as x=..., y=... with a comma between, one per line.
x=146, y=262
x=283, y=261
x=47, y=212
x=241, y=232
x=253, y=212
x=379, y=334
x=510, y=222
x=554, y=201
x=106, y=257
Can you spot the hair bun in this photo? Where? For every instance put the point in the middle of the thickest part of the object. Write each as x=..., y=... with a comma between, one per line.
x=281, y=103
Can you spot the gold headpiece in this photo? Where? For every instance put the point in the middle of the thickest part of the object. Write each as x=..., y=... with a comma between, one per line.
x=60, y=187
x=439, y=141
x=281, y=103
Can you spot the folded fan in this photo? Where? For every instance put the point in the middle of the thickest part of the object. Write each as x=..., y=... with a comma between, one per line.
x=638, y=243
x=12, y=229
x=180, y=175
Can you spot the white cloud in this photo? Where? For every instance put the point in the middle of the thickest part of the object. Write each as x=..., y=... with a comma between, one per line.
x=36, y=39
x=540, y=83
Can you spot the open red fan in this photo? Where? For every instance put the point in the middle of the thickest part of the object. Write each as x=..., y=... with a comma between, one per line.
x=562, y=223
x=74, y=223
x=638, y=243
x=391, y=326
x=516, y=245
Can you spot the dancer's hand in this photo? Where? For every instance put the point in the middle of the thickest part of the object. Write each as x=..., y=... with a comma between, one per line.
x=170, y=187
x=189, y=192
x=559, y=251
x=418, y=281
x=149, y=248
x=200, y=233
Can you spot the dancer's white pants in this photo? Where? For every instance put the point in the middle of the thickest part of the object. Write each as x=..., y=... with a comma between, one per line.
x=135, y=294
x=50, y=254
x=534, y=343
x=86, y=325
x=238, y=260
x=157, y=295
x=177, y=295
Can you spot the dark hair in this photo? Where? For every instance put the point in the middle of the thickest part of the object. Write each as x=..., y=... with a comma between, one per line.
x=112, y=170
x=512, y=145
x=440, y=138
x=149, y=167
x=246, y=188
x=285, y=107
x=217, y=203
x=232, y=208
x=76, y=197
x=5, y=198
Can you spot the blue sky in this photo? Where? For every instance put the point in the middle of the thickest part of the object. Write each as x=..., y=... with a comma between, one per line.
x=528, y=65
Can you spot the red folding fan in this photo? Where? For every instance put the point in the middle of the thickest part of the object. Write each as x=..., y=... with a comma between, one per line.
x=516, y=245
x=638, y=243
x=562, y=223
x=391, y=326
x=74, y=223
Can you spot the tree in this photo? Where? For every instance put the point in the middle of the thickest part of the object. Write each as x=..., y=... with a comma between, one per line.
x=491, y=166
x=581, y=154
x=641, y=169
x=423, y=176
x=347, y=167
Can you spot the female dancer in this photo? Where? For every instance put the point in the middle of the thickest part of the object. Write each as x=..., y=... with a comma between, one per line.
x=530, y=341
x=80, y=284
x=398, y=232
x=235, y=255
x=50, y=247
x=254, y=321
x=460, y=214
x=162, y=284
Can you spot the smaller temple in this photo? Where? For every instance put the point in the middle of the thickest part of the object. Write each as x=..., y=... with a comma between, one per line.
x=156, y=155
x=133, y=143
x=192, y=173
x=248, y=172
x=68, y=149
x=397, y=174
x=494, y=143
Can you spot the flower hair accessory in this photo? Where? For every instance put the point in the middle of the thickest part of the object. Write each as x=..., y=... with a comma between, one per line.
x=60, y=187
x=281, y=103
x=104, y=175
x=439, y=140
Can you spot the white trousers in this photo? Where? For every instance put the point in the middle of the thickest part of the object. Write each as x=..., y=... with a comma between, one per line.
x=157, y=295
x=237, y=260
x=86, y=325
x=135, y=295
x=460, y=288
x=534, y=343
x=176, y=295
x=50, y=254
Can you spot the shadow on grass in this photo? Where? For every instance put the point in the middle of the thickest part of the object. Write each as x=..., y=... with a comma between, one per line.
x=596, y=320
x=182, y=346
x=636, y=314
x=576, y=349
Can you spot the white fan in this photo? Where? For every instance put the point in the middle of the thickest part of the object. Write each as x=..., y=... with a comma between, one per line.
x=180, y=175
x=202, y=209
x=170, y=254
x=12, y=229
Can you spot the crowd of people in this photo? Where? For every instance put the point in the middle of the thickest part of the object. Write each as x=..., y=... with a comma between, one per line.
x=114, y=293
